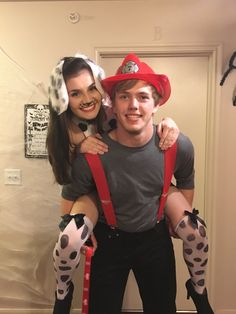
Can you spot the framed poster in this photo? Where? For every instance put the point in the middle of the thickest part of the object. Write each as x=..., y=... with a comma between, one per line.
x=36, y=125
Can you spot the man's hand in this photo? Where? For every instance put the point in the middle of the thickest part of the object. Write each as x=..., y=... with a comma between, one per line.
x=171, y=229
x=168, y=132
x=93, y=145
x=94, y=245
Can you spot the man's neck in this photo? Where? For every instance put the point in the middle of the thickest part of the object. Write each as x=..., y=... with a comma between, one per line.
x=131, y=139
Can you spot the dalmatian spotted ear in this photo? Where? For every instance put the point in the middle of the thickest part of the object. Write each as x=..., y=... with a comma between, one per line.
x=58, y=95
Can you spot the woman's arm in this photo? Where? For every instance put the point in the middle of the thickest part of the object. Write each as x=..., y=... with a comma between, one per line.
x=66, y=206
x=168, y=132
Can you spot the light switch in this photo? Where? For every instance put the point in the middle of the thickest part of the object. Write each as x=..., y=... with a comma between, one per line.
x=12, y=176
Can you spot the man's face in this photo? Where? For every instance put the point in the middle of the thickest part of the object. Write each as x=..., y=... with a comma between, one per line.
x=134, y=108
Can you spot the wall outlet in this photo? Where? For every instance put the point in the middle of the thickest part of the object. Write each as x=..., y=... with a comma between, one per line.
x=12, y=176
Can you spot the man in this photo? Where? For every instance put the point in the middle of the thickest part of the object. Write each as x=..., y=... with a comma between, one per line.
x=134, y=168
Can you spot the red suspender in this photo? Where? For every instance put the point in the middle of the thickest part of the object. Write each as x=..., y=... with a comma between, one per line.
x=169, y=166
x=99, y=176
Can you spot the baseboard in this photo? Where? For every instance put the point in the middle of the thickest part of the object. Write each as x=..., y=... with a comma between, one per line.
x=77, y=311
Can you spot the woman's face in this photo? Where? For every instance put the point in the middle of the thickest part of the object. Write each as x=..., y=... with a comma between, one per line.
x=84, y=98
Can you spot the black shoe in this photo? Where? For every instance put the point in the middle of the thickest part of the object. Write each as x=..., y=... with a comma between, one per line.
x=63, y=306
x=200, y=300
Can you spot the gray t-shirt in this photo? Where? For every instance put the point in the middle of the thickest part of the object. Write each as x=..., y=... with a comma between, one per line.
x=135, y=179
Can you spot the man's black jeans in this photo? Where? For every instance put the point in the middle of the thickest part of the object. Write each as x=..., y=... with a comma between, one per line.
x=149, y=254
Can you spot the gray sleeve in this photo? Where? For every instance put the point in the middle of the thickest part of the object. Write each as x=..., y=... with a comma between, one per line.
x=184, y=168
x=82, y=180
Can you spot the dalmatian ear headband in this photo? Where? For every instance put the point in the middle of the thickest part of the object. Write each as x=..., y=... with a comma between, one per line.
x=57, y=91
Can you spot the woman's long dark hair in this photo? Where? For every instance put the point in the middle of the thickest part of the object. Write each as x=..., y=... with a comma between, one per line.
x=58, y=141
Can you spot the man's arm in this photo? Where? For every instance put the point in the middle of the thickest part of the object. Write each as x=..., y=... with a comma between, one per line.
x=184, y=167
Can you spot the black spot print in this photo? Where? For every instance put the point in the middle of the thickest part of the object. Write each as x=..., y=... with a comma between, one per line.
x=201, y=283
x=64, y=241
x=189, y=263
x=73, y=255
x=64, y=278
x=200, y=272
x=188, y=251
x=202, y=231
x=182, y=224
x=57, y=253
x=56, y=94
x=191, y=237
x=197, y=259
x=59, y=83
x=64, y=268
x=204, y=263
x=200, y=246
x=60, y=291
x=206, y=249
x=63, y=262
x=53, y=82
x=84, y=232
x=58, y=71
x=77, y=265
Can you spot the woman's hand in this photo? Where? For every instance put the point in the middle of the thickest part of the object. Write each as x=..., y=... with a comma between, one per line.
x=168, y=132
x=93, y=145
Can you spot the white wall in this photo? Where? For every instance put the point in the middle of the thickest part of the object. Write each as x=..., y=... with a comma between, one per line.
x=35, y=35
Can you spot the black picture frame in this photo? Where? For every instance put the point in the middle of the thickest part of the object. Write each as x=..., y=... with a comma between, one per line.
x=36, y=118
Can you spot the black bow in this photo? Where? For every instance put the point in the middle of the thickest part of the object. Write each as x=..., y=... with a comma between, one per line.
x=78, y=218
x=193, y=218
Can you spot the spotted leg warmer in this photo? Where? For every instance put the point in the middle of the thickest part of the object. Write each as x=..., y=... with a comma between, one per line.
x=66, y=255
x=191, y=229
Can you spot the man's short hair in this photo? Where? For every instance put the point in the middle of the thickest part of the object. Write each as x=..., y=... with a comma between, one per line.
x=127, y=84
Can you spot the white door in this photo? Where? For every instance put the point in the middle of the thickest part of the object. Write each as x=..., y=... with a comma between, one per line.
x=188, y=75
